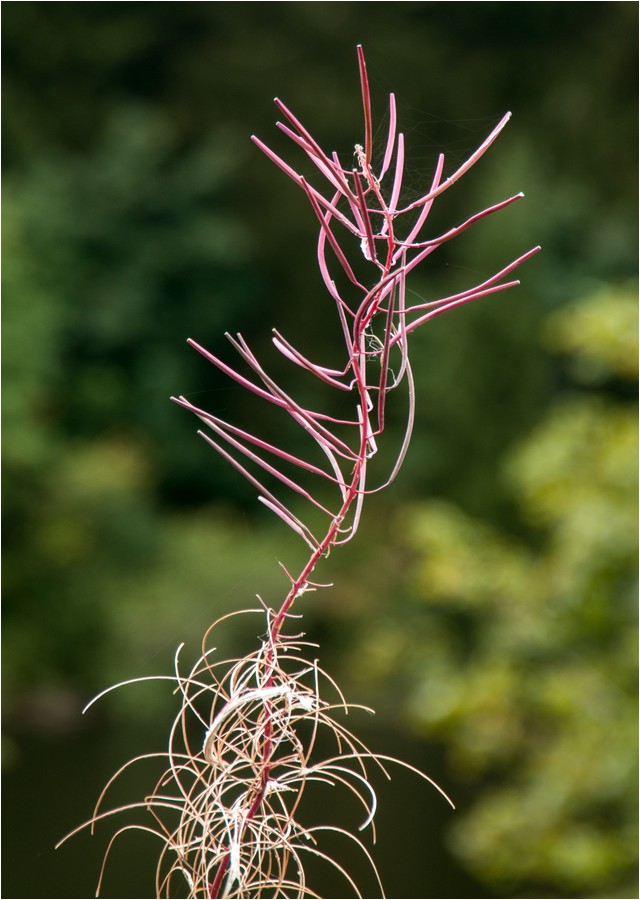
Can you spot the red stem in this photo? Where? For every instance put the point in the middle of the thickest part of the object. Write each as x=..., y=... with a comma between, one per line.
x=391, y=284
x=214, y=886
x=303, y=580
x=366, y=105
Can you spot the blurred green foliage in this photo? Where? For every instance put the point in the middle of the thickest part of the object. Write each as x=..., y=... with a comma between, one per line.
x=522, y=654
x=137, y=214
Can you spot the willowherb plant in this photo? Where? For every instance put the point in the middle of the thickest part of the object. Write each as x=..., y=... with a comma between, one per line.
x=243, y=745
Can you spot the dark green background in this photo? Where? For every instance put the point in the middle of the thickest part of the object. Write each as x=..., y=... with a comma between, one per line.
x=138, y=213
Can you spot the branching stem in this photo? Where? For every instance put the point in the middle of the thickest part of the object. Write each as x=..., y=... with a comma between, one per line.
x=237, y=832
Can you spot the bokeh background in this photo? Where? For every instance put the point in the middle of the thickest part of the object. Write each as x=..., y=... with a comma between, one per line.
x=487, y=608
